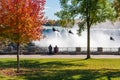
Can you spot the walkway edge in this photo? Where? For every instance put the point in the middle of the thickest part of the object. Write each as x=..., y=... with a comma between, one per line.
x=60, y=56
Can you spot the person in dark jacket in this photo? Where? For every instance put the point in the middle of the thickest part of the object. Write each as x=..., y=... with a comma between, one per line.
x=50, y=49
x=56, y=49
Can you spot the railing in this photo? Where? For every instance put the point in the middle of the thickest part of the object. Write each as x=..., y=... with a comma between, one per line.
x=63, y=50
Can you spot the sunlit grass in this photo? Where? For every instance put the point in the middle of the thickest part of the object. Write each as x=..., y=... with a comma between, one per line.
x=61, y=69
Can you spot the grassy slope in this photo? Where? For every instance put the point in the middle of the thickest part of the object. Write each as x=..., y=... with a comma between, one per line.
x=61, y=69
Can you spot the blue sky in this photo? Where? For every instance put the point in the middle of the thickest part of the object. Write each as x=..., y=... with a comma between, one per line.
x=51, y=7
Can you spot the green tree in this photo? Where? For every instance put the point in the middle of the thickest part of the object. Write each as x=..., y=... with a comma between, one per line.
x=90, y=12
x=116, y=5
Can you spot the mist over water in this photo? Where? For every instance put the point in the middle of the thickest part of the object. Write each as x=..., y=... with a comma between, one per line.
x=62, y=37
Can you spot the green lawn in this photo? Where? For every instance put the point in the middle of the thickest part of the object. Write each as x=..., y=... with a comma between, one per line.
x=61, y=69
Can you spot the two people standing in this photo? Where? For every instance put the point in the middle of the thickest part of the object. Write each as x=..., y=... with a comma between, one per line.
x=55, y=49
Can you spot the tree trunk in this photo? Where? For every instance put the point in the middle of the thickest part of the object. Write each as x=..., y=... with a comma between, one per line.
x=88, y=41
x=18, y=61
x=88, y=29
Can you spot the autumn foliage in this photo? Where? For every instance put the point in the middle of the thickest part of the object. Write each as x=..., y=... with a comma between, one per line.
x=21, y=20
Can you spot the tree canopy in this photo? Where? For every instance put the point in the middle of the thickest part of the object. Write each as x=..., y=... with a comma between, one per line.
x=117, y=8
x=21, y=20
x=90, y=12
x=99, y=11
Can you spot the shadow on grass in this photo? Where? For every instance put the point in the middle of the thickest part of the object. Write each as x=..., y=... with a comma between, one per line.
x=74, y=75
x=37, y=64
x=58, y=70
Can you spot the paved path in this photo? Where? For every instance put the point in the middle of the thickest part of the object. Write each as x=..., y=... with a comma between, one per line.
x=60, y=56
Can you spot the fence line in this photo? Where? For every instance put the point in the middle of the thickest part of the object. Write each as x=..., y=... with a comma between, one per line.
x=62, y=50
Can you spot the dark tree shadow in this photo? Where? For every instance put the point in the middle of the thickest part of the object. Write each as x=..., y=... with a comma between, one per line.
x=72, y=75
x=55, y=70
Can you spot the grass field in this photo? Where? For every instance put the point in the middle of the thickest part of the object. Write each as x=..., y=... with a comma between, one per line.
x=61, y=69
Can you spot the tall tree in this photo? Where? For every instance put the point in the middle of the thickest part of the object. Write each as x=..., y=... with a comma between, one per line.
x=21, y=21
x=116, y=5
x=90, y=12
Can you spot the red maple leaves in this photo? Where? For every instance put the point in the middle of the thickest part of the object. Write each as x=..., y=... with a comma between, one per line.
x=21, y=20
